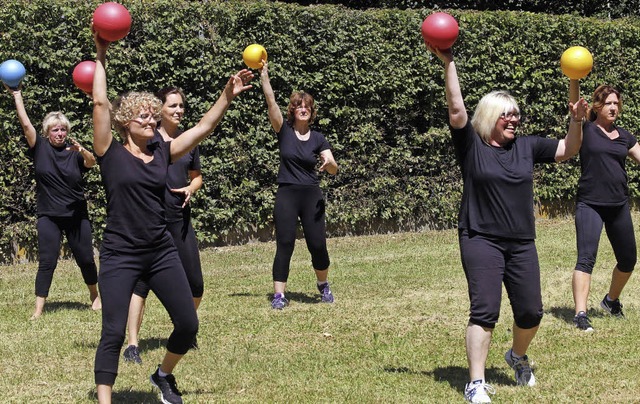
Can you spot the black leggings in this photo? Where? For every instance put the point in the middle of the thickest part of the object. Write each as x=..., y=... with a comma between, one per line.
x=77, y=229
x=162, y=270
x=307, y=203
x=184, y=237
x=619, y=227
x=489, y=262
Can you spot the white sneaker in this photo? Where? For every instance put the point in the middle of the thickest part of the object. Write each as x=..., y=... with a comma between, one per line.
x=523, y=373
x=476, y=392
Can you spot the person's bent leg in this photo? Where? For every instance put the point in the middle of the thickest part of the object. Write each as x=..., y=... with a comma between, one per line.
x=483, y=264
x=49, y=239
x=623, y=241
x=285, y=215
x=588, y=222
x=117, y=277
x=80, y=239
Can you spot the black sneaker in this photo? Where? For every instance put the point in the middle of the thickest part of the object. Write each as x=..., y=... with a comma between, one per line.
x=613, y=307
x=325, y=291
x=581, y=321
x=131, y=354
x=169, y=393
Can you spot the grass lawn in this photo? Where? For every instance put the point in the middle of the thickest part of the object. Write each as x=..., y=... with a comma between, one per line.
x=395, y=333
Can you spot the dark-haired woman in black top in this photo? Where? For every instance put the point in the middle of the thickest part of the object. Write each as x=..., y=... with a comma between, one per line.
x=59, y=163
x=603, y=199
x=299, y=194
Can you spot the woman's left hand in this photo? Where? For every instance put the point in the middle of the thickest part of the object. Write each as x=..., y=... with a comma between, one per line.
x=186, y=192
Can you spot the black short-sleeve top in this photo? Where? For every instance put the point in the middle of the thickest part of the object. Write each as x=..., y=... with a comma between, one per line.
x=135, y=198
x=178, y=177
x=497, y=196
x=299, y=158
x=59, y=179
x=603, y=179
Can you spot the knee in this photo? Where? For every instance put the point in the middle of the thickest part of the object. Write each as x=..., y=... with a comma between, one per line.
x=587, y=268
x=529, y=319
x=320, y=261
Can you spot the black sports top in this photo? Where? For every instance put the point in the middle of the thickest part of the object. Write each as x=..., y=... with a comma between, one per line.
x=135, y=198
x=299, y=158
x=497, y=197
x=59, y=181
x=603, y=179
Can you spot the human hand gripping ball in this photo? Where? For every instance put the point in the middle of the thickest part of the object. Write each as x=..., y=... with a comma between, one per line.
x=253, y=56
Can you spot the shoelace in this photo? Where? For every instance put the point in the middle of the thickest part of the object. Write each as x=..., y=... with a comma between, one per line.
x=522, y=367
x=487, y=388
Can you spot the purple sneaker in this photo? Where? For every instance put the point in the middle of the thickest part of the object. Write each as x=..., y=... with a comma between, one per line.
x=279, y=302
x=325, y=291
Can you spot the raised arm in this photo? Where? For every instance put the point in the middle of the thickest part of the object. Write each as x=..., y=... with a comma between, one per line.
x=190, y=138
x=570, y=145
x=102, y=136
x=28, y=129
x=275, y=115
x=455, y=102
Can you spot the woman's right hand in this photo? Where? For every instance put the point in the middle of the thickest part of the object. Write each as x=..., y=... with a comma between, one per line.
x=443, y=54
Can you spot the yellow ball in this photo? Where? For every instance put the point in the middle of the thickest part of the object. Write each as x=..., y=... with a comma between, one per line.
x=576, y=62
x=253, y=56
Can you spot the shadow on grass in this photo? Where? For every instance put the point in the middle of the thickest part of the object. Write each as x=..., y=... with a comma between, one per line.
x=128, y=396
x=151, y=344
x=50, y=307
x=566, y=313
x=457, y=376
x=299, y=297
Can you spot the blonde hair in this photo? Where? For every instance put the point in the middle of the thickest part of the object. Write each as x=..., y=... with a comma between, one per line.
x=53, y=119
x=489, y=109
x=126, y=107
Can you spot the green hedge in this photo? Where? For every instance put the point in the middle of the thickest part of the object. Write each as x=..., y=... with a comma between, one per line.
x=380, y=95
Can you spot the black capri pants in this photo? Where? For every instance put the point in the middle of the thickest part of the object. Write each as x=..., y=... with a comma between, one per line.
x=77, y=229
x=307, y=203
x=184, y=237
x=619, y=227
x=488, y=262
x=119, y=272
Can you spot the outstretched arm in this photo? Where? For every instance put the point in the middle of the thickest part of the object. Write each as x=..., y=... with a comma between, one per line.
x=27, y=127
x=190, y=138
x=102, y=136
x=275, y=115
x=455, y=102
x=89, y=158
x=570, y=145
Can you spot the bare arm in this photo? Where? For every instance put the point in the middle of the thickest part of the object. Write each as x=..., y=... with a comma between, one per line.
x=89, y=158
x=102, y=136
x=634, y=153
x=195, y=184
x=328, y=162
x=28, y=129
x=275, y=115
x=570, y=145
x=190, y=138
x=455, y=102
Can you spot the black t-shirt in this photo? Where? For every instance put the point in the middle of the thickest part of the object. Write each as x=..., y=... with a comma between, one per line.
x=59, y=181
x=497, y=196
x=603, y=179
x=135, y=198
x=298, y=158
x=178, y=177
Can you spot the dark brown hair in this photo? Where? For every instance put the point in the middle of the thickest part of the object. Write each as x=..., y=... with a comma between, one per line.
x=296, y=99
x=599, y=97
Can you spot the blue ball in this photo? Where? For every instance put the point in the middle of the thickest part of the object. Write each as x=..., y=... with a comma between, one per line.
x=12, y=72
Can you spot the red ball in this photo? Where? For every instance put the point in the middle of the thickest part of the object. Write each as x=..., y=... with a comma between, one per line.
x=83, y=75
x=112, y=21
x=440, y=30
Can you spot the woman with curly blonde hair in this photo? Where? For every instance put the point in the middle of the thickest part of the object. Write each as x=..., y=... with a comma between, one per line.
x=136, y=243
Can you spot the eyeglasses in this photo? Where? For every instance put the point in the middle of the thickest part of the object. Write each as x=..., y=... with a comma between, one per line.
x=507, y=116
x=301, y=107
x=146, y=117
